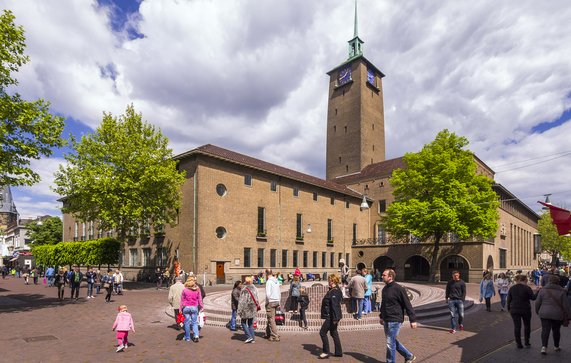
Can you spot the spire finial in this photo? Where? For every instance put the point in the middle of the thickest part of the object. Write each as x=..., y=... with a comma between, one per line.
x=356, y=31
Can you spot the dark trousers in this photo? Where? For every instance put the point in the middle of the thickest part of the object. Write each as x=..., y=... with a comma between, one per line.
x=517, y=318
x=293, y=303
x=488, y=303
x=546, y=326
x=60, y=290
x=75, y=290
x=328, y=326
x=109, y=292
x=302, y=318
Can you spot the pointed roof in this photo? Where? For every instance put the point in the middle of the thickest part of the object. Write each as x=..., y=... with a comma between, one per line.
x=6, y=201
x=356, y=30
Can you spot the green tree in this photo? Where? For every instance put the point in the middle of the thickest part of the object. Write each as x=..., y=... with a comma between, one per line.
x=122, y=175
x=27, y=129
x=439, y=192
x=48, y=231
x=551, y=241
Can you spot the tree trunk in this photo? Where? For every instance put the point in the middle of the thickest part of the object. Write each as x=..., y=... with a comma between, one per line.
x=434, y=276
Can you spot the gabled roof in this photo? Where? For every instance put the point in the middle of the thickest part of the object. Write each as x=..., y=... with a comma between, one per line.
x=383, y=169
x=248, y=161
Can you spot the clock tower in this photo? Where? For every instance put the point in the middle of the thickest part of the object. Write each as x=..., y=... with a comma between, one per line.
x=355, y=114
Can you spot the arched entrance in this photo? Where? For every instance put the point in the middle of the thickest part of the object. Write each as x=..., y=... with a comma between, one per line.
x=380, y=264
x=416, y=268
x=454, y=263
x=490, y=264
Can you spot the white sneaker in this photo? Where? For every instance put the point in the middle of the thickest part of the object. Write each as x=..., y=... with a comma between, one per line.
x=543, y=350
x=120, y=348
x=249, y=340
x=557, y=349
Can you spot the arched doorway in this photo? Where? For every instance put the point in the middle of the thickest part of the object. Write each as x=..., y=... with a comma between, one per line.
x=416, y=268
x=454, y=263
x=490, y=264
x=380, y=264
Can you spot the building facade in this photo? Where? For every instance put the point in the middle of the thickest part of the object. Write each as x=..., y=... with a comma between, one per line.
x=240, y=215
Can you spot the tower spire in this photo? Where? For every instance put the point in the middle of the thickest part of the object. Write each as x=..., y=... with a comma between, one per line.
x=356, y=31
x=355, y=44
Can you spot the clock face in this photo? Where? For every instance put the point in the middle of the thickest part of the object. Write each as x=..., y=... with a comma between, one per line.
x=345, y=75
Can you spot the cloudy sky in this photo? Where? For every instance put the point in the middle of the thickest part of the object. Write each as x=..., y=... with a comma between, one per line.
x=249, y=75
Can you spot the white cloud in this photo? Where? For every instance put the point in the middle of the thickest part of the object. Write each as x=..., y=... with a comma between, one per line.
x=250, y=75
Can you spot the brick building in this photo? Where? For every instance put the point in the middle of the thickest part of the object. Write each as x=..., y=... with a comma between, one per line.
x=240, y=215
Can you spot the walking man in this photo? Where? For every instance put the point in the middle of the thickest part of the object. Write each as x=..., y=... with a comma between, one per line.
x=358, y=286
x=455, y=296
x=273, y=296
x=75, y=282
x=175, y=292
x=395, y=302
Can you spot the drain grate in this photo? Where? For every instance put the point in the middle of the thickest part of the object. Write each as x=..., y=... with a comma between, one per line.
x=40, y=338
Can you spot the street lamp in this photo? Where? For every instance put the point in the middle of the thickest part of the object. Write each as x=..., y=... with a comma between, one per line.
x=364, y=204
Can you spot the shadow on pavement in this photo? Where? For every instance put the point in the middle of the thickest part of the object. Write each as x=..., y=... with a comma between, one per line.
x=27, y=302
x=362, y=357
x=312, y=348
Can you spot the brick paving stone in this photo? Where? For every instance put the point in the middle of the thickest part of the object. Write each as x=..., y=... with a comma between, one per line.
x=83, y=333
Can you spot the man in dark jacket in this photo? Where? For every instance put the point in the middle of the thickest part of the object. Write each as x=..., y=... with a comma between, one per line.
x=75, y=281
x=395, y=302
x=455, y=296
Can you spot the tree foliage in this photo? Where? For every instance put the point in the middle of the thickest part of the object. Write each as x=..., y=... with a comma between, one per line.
x=122, y=176
x=551, y=241
x=27, y=129
x=49, y=231
x=438, y=192
x=104, y=251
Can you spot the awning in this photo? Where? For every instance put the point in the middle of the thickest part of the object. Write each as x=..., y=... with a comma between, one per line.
x=13, y=259
x=561, y=218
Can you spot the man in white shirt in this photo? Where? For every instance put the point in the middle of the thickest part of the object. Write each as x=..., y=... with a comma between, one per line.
x=273, y=297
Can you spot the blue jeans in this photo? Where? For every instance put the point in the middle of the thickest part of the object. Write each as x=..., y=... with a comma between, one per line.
x=90, y=289
x=367, y=304
x=248, y=326
x=503, y=299
x=233, y=320
x=50, y=280
x=190, y=317
x=393, y=345
x=359, y=303
x=456, y=307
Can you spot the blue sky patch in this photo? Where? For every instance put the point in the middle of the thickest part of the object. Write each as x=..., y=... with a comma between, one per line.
x=121, y=12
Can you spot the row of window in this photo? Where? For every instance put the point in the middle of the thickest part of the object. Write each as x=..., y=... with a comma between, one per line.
x=145, y=230
x=325, y=258
x=144, y=258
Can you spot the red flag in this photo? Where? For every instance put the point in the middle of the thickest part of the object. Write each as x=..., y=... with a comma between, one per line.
x=561, y=218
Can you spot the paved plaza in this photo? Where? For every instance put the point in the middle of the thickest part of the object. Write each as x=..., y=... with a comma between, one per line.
x=36, y=327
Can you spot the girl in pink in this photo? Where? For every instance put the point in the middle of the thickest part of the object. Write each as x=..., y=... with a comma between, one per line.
x=123, y=323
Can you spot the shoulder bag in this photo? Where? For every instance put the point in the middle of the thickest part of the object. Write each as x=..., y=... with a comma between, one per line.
x=258, y=308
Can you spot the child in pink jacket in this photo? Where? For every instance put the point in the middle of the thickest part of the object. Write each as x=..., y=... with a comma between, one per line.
x=123, y=323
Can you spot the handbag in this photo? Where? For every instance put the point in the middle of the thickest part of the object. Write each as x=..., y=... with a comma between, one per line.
x=201, y=318
x=258, y=308
x=565, y=322
x=180, y=319
x=106, y=285
x=280, y=317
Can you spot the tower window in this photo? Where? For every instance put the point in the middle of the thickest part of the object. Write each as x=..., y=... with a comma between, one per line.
x=373, y=126
x=334, y=129
x=340, y=160
x=371, y=160
x=373, y=147
x=347, y=168
x=335, y=112
x=345, y=129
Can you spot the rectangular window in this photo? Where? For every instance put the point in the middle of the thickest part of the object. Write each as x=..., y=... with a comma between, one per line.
x=162, y=257
x=91, y=231
x=261, y=222
x=75, y=231
x=99, y=232
x=295, y=261
x=329, y=231
x=332, y=200
x=248, y=180
x=354, y=233
x=502, y=258
x=260, y=257
x=298, y=226
x=315, y=259
x=295, y=191
x=340, y=257
x=247, y=257
x=315, y=196
x=284, y=258
x=273, y=185
x=382, y=206
x=323, y=259
x=147, y=257
x=332, y=258
x=133, y=257
x=305, y=258
x=273, y=254
x=347, y=204
x=381, y=235
x=347, y=259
